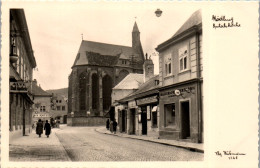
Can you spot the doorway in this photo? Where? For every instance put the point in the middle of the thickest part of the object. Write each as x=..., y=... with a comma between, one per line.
x=132, y=121
x=185, y=113
x=144, y=120
x=123, y=120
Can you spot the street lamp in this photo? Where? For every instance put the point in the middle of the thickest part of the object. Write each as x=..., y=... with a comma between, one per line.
x=158, y=12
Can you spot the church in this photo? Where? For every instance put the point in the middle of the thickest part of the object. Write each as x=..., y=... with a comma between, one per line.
x=99, y=67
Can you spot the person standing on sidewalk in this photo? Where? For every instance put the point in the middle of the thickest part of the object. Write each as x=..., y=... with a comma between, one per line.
x=47, y=128
x=114, y=126
x=111, y=126
x=39, y=128
x=107, y=124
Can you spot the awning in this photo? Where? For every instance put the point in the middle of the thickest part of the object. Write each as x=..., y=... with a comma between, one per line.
x=154, y=109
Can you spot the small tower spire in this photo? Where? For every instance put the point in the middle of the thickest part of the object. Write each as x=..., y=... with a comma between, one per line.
x=82, y=36
x=135, y=29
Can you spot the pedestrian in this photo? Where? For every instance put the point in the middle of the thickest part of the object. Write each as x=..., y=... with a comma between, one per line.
x=114, y=126
x=39, y=128
x=47, y=128
x=111, y=126
x=107, y=126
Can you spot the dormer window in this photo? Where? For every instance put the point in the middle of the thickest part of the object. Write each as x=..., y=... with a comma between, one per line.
x=156, y=82
x=124, y=62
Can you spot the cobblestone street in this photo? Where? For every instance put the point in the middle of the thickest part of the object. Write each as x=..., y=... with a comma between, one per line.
x=85, y=144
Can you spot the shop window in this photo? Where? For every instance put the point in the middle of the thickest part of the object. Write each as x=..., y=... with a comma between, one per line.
x=148, y=112
x=63, y=108
x=183, y=58
x=169, y=110
x=154, y=116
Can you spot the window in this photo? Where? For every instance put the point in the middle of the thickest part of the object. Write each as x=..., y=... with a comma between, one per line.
x=63, y=108
x=42, y=109
x=183, y=58
x=124, y=62
x=156, y=82
x=168, y=64
x=59, y=101
x=58, y=108
x=169, y=110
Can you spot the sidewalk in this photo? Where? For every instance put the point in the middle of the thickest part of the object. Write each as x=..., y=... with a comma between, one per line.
x=33, y=148
x=187, y=145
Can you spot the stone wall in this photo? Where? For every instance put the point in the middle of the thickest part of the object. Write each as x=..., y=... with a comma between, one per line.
x=86, y=121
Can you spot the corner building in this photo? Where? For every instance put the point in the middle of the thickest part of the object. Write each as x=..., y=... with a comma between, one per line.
x=21, y=64
x=97, y=68
x=181, y=79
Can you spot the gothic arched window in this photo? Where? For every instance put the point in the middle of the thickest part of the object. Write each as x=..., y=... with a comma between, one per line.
x=107, y=90
x=95, y=91
x=82, y=91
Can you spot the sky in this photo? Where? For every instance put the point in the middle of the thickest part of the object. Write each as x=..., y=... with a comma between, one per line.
x=55, y=30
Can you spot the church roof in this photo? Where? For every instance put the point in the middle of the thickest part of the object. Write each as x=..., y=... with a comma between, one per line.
x=131, y=81
x=103, y=49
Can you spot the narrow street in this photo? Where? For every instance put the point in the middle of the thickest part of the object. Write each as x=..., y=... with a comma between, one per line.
x=85, y=144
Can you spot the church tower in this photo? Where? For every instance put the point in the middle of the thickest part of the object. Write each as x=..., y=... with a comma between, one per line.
x=136, y=45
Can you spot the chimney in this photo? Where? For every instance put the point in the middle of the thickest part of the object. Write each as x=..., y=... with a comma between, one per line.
x=148, y=68
x=35, y=82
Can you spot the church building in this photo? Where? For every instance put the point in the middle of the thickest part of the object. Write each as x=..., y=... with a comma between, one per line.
x=99, y=67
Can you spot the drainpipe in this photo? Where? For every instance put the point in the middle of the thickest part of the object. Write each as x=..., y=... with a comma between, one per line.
x=199, y=88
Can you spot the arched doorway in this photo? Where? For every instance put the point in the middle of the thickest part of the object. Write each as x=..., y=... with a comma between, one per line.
x=82, y=91
x=95, y=91
x=107, y=90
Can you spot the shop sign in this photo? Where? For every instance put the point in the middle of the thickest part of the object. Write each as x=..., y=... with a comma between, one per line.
x=131, y=104
x=177, y=92
x=18, y=87
x=147, y=100
x=41, y=115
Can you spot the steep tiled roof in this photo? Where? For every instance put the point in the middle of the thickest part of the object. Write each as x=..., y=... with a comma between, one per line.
x=101, y=60
x=148, y=86
x=195, y=19
x=131, y=81
x=102, y=49
x=38, y=91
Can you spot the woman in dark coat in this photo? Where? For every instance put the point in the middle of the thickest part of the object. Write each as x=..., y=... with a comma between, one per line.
x=39, y=128
x=107, y=126
x=114, y=126
x=47, y=128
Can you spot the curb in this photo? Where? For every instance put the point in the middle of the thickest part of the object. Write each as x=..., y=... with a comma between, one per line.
x=65, y=151
x=163, y=143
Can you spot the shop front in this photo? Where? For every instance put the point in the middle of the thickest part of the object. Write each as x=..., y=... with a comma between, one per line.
x=147, y=115
x=180, y=111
